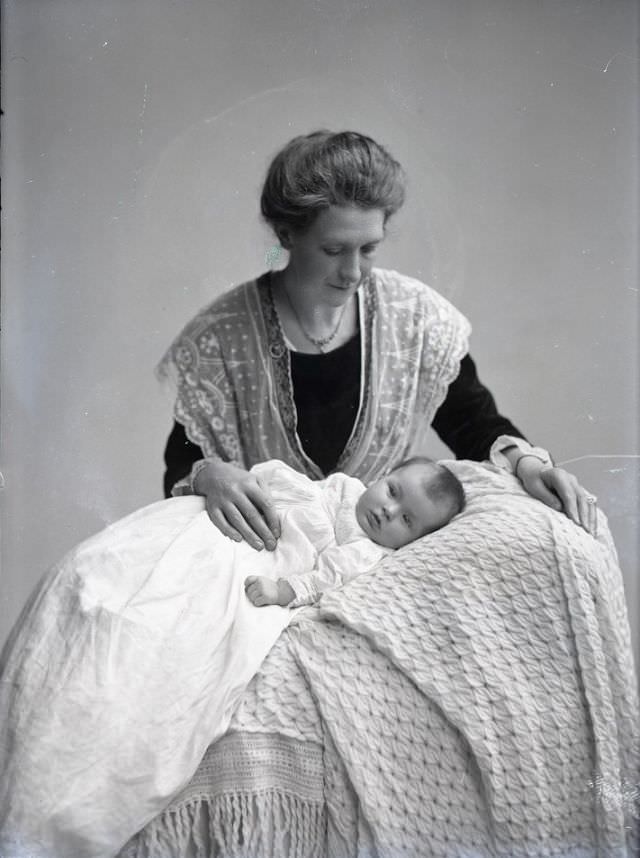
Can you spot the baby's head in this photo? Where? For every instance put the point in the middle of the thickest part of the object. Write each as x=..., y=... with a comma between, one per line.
x=417, y=497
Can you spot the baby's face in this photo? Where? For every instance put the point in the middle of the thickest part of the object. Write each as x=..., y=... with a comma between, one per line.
x=396, y=510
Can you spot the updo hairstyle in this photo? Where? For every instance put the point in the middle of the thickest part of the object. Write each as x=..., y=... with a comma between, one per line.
x=322, y=169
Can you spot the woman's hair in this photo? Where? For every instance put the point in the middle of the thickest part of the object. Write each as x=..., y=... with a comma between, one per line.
x=322, y=169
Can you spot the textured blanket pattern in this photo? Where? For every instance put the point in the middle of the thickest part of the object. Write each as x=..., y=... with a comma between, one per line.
x=474, y=696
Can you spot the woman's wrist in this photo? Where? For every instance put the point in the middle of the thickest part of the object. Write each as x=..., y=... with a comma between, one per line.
x=200, y=475
x=507, y=451
x=543, y=463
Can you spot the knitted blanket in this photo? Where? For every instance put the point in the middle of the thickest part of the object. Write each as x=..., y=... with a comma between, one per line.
x=473, y=696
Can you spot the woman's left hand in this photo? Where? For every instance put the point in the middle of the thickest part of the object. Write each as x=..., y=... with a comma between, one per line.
x=560, y=490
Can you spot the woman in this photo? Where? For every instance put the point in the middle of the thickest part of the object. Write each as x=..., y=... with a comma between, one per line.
x=331, y=364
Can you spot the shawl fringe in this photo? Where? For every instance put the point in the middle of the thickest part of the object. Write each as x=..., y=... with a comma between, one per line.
x=237, y=824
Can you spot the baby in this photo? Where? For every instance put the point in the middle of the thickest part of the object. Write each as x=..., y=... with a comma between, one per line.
x=417, y=497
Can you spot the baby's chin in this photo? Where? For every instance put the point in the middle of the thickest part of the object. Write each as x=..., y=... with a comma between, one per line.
x=393, y=545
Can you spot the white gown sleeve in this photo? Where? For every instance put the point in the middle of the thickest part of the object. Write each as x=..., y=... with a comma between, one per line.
x=336, y=566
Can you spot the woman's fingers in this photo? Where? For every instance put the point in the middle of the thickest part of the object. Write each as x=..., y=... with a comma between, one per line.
x=250, y=511
x=216, y=516
x=240, y=506
x=538, y=489
x=564, y=486
x=250, y=521
x=561, y=491
x=264, y=502
x=583, y=510
x=577, y=503
x=241, y=521
x=593, y=516
x=232, y=523
x=588, y=511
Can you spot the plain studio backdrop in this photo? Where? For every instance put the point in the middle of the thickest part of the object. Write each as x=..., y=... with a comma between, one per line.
x=135, y=139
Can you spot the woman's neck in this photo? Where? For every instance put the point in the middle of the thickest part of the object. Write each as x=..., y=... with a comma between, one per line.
x=312, y=327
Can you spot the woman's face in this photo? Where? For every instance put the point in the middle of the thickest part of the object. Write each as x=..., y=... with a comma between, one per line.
x=329, y=260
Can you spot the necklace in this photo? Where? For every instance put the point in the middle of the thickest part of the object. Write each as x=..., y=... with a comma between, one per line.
x=318, y=342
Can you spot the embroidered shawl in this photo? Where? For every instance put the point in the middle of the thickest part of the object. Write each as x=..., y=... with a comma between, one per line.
x=233, y=375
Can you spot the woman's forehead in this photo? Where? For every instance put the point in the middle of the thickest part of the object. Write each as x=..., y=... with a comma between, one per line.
x=349, y=223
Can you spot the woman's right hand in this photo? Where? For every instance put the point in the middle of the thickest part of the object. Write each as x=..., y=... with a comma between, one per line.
x=239, y=504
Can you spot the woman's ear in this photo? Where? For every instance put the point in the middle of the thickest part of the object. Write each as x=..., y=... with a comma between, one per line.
x=283, y=234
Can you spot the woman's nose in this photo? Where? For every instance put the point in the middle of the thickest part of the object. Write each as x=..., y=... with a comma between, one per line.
x=350, y=270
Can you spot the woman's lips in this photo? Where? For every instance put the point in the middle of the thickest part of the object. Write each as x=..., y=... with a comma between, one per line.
x=341, y=288
x=374, y=521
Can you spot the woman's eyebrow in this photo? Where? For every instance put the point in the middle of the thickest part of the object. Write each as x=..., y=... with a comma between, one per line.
x=339, y=240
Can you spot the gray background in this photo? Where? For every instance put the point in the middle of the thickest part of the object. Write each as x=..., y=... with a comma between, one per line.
x=135, y=138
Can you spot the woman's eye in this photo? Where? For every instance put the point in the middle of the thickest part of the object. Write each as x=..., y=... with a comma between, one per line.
x=391, y=490
x=369, y=250
x=331, y=251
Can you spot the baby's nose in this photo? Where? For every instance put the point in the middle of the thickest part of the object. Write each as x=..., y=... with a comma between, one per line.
x=390, y=511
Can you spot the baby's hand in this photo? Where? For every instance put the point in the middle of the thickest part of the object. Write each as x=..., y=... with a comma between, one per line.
x=263, y=591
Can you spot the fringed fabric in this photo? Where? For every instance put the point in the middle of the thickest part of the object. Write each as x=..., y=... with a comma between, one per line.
x=269, y=824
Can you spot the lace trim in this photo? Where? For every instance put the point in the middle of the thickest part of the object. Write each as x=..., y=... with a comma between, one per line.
x=281, y=359
x=368, y=308
x=203, y=399
x=456, y=348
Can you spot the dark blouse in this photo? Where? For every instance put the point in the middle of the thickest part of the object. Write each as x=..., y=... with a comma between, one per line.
x=326, y=392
